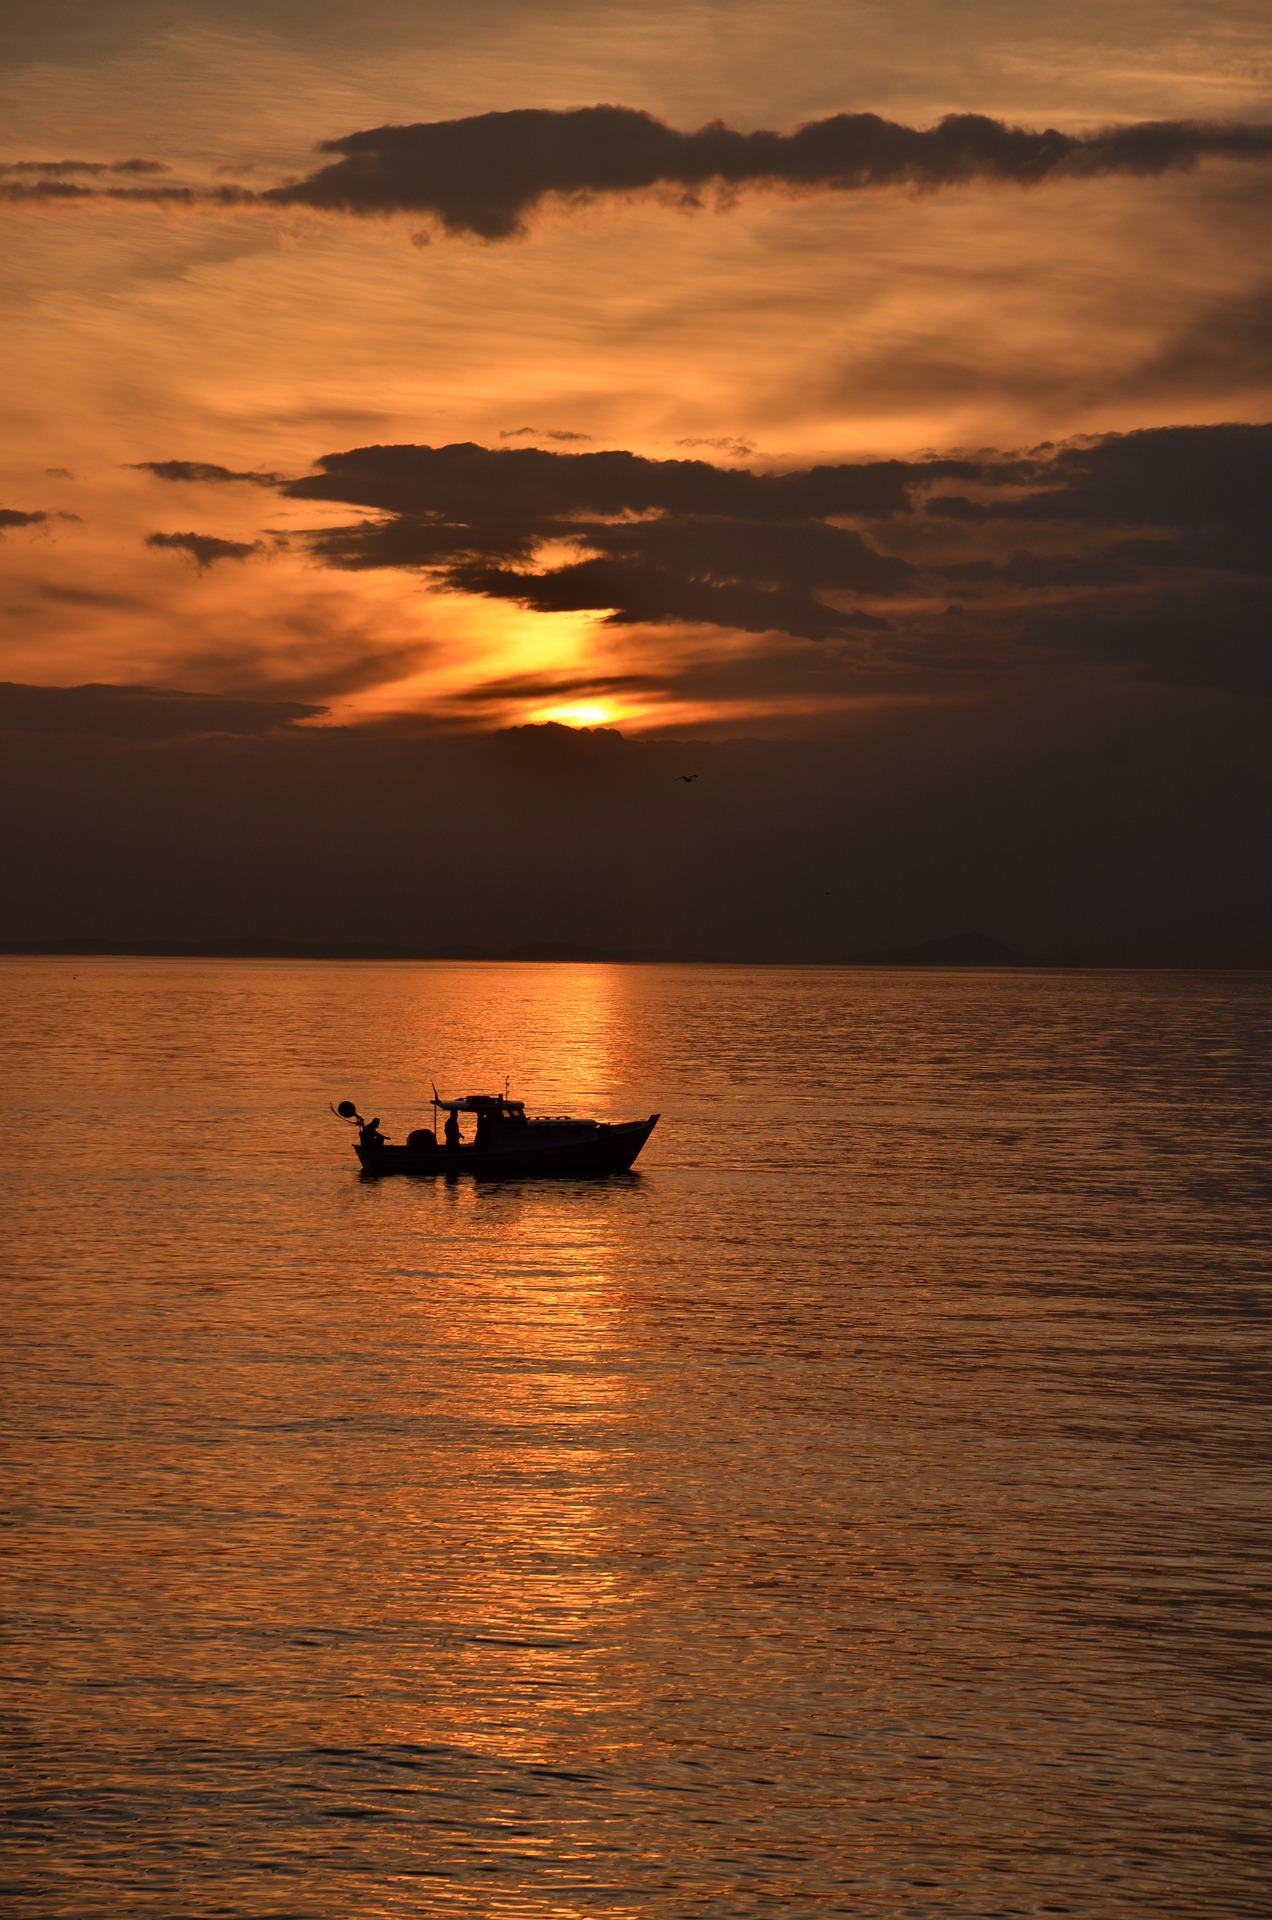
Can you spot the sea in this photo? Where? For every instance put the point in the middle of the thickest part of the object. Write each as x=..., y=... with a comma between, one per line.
x=862, y=1508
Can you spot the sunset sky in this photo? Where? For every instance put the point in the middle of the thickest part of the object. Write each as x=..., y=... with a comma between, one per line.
x=506, y=411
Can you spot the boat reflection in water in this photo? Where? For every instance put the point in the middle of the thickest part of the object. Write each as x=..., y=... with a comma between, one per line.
x=507, y=1143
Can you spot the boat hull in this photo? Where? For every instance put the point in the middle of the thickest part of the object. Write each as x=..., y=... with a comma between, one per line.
x=607, y=1149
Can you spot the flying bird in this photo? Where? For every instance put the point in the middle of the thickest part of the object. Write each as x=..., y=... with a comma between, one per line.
x=686, y=776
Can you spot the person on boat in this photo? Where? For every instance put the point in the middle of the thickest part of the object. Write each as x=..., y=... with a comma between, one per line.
x=451, y=1129
x=369, y=1134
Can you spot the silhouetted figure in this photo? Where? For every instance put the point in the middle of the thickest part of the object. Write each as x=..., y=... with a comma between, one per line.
x=450, y=1131
x=369, y=1134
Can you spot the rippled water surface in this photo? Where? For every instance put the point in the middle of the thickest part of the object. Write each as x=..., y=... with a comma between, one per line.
x=863, y=1508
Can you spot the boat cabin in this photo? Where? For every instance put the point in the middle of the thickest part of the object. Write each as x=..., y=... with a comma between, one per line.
x=495, y=1118
x=501, y=1124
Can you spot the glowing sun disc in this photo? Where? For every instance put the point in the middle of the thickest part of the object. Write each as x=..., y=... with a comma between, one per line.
x=582, y=713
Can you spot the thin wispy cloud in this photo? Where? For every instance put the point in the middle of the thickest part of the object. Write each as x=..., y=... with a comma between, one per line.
x=205, y=549
x=561, y=434
x=202, y=471
x=90, y=168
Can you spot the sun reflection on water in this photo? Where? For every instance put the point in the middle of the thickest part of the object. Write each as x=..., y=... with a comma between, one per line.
x=528, y=1512
x=556, y=1035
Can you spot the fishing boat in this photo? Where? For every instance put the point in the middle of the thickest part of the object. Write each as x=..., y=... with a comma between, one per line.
x=507, y=1143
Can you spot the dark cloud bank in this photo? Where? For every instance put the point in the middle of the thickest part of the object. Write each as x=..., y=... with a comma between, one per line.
x=1145, y=554
x=138, y=713
x=485, y=174
x=1123, y=831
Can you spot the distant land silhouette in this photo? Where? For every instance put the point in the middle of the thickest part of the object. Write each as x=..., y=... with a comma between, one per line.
x=954, y=950
x=265, y=948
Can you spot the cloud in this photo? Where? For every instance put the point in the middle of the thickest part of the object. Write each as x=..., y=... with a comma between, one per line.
x=1159, y=476
x=712, y=546
x=642, y=594
x=1221, y=637
x=301, y=658
x=1143, y=555
x=536, y=487
x=12, y=517
x=541, y=433
x=204, y=548
x=201, y=470
x=54, y=191
x=91, y=167
x=545, y=687
x=720, y=443
x=485, y=174
x=713, y=572
x=1228, y=345
x=817, y=553
x=1147, y=551
x=141, y=712
x=407, y=542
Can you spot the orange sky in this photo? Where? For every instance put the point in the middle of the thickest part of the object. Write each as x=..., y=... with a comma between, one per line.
x=774, y=333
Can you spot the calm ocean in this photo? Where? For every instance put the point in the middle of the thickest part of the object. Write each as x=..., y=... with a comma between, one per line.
x=863, y=1508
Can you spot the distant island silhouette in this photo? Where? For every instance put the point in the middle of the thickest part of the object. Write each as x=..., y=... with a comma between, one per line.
x=955, y=950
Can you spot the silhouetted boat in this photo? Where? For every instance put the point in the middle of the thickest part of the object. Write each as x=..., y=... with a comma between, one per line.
x=508, y=1144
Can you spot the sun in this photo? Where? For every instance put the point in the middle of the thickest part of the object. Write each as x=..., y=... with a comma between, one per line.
x=582, y=713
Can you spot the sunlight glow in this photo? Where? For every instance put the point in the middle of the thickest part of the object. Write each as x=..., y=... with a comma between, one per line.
x=581, y=713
